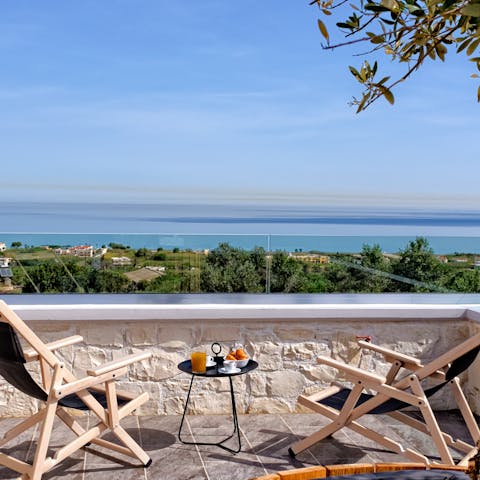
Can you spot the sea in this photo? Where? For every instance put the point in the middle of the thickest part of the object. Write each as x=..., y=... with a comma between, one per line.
x=204, y=226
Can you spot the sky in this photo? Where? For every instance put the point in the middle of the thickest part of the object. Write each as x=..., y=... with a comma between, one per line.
x=219, y=101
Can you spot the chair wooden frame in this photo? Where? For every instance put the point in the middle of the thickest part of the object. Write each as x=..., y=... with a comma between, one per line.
x=405, y=387
x=58, y=382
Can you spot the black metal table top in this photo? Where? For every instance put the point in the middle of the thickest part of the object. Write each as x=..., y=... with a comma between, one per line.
x=186, y=366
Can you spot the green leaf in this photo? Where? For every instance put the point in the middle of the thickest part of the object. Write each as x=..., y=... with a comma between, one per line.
x=471, y=10
x=441, y=51
x=344, y=25
x=376, y=8
x=377, y=39
x=463, y=45
x=390, y=4
x=447, y=4
x=355, y=73
x=473, y=46
x=387, y=94
x=323, y=29
x=418, y=13
x=478, y=94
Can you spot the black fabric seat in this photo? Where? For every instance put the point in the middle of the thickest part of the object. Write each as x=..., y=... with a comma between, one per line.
x=12, y=369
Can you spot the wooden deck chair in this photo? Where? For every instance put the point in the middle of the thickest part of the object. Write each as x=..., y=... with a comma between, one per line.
x=95, y=393
x=401, y=387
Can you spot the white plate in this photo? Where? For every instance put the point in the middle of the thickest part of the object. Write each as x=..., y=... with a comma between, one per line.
x=228, y=372
x=211, y=364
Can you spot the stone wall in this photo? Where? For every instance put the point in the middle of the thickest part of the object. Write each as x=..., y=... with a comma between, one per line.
x=286, y=350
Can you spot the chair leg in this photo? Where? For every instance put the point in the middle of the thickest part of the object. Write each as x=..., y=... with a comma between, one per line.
x=38, y=466
x=132, y=445
x=114, y=423
x=465, y=410
x=431, y=422
x=43, y=441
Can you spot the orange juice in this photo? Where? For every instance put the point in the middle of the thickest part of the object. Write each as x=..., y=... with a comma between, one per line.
x=199, y=362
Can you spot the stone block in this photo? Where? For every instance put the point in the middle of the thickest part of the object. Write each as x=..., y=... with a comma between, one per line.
x=285, y=384
x=258, y=384
x=141, y=334
x=102, y=334
x=295, y=332
x=269, y=405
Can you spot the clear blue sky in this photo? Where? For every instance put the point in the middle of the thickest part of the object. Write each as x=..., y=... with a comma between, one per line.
x=218, y=100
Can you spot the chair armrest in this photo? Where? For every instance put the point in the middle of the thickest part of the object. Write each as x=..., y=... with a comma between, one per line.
x=31, y=354
x=116, y=364
x=352, y=373
x=86, y=382
x=391, y=355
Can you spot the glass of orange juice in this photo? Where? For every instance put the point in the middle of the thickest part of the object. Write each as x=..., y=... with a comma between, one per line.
x=199, y=361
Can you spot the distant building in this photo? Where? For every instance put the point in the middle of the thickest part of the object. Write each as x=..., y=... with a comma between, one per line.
x=78, y=251
x=5, y=273
x=311, y=257
x=3, y=247
x=121, y=261
x=476, y=262
x=5, y=262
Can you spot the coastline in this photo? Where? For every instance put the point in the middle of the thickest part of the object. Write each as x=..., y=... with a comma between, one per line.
x=390, y=244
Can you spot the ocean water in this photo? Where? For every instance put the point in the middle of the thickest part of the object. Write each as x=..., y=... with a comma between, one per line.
x=273, y=227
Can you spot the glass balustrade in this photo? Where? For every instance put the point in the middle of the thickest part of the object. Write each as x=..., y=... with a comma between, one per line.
x=263, y=263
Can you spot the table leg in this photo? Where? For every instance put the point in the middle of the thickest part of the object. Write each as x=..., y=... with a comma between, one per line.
x=236, y=429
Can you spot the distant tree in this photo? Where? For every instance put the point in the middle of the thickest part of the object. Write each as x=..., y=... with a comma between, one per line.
x=467, y=281
x=339, y=278
x=16, y=244
x=50, y=277
x=142, y=252
x=418, y=262
x=287, y=274
x=118, y=246
x=229, y=269
x=176, y=250
x=108, y=281
x=409, y=32
x=160, y=256
x=375, y=264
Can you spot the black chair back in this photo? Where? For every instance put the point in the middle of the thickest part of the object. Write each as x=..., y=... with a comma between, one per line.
x=12, y=364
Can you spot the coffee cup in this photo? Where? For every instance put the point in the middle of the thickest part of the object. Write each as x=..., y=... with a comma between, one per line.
x=229, y=365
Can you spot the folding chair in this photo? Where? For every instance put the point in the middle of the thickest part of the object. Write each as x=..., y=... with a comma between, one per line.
x=401, y=387
x=94, y=393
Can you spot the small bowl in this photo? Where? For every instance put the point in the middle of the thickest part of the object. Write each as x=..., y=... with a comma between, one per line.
x=242, y=363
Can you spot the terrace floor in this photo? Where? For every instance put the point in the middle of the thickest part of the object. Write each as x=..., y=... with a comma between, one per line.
x=265, y=440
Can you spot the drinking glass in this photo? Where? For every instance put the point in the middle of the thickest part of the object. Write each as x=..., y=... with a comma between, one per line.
x=199, y=361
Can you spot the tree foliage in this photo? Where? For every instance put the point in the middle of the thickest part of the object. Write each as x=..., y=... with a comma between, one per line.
x=228, y=269
x=408, y=31
x=417, y=262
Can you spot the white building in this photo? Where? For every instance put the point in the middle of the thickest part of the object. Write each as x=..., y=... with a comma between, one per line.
x=121, y=261
x=3, y=247
x=5, y=262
